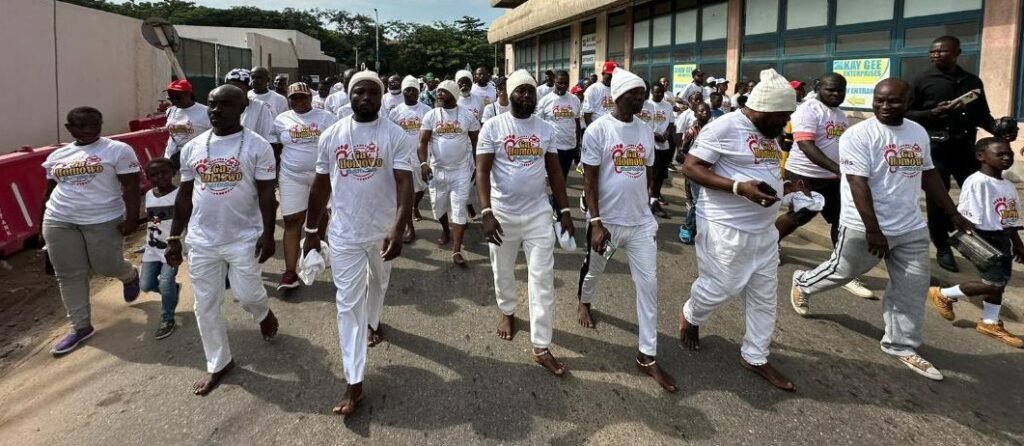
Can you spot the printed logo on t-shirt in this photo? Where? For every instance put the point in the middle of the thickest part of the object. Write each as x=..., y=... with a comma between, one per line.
x=905, y=159
x=447, y=129
x=78, y=173
x=523, y=150
x=361, y=161
x=559, y=112
x=659, y=117
x=1006, y=209
x=304, y=133
x=834, y=129
x=607, y=103
x=220, y=175
x=629, y=159
x=644, y=115
x=180, y=129
x=410, y=125
x=766, y=150
x=157, y=215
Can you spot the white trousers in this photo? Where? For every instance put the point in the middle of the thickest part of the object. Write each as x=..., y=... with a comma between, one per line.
x=534, y=233
x=361, y=277
x=639, y=245
x=733, y=263
x=449, y=193
x=206, y=268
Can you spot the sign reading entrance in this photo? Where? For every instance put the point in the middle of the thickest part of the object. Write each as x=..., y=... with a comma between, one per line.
x=861, y=76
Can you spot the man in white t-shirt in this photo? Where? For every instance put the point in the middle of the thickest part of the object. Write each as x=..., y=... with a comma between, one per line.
x=447, y=146
x=409, y=116
x=597, y=99
x=364, y=171
x=885, y=162
x=466, y=98
x=393, y=96
x=483, y=87
x=736, y=159
x=186, y=118
x=696, y=85
x=515, y=161
x=548, y=86
x=660, y=117
x=261, y=90
x=562, y=110
x=617, y=159
x=226, y=200
x=338, y=98
x=258, y=115
x=323, y=91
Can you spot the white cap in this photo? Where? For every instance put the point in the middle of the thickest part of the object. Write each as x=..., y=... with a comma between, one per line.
x=410, y=82
x=364, y=76
x=451, y=87
x=520, y=77
x=623, y=81
x=711, y=81
x=463, y=74
x=772, y=94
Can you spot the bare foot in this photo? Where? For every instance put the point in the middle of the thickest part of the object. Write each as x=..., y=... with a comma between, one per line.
x=348, y=404
x=207, y=383
x=770, y=374
x=506, y=327
x=268, y=326
x=445, y=237
x=459, y=259
x=689, y=334
x=410, y=236
x=584, y=316
x=650, y=367
x=375, y=336
x=544, y=357
x=416, y=216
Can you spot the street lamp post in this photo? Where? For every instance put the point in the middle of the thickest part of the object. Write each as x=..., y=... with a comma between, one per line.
x=356, y=48
x=376, y=25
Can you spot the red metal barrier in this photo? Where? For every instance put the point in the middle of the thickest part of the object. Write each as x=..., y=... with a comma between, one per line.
x=149, y=122
x=23, y=185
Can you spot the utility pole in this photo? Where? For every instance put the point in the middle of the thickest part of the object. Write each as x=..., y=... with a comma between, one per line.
x=356, y=48
x=376, y=25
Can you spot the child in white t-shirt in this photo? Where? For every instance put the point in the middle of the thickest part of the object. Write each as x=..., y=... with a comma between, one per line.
x=993, y=205
x=156, y=274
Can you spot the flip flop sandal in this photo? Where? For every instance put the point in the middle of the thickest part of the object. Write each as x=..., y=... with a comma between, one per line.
x=461, y=260
x=547, y=352
x=339, y=409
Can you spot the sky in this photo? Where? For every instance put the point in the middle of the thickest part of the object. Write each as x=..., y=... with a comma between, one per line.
x=422, y=11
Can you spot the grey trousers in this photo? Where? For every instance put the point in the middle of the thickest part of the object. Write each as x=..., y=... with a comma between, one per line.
x=903, y=304
x=74, y=251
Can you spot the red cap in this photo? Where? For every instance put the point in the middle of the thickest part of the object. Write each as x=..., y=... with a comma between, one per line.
x=796, y=84
x=609, y=66
x=575, y=89
x=181, y=85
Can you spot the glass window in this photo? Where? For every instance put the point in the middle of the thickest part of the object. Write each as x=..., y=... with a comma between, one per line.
x=662, y=71
x=751, y=71
x=642, y=34
x=686, y=27
x=910, y=67
x=641, y=58
x=759, y=49
x=923, y=36
x=762, y=16
x=662, y=31
x=589, y=27
x=861, y=11
x=662, y=57
x=713, y=21
x=918, y=8
x=712, y=52
x=810, y=45
x=684, y=54
x=641, y=12
x=619, y=18
x=616, y=39
x=713, y=69
x=866, y=41
x=804, y=71
x=806, y=13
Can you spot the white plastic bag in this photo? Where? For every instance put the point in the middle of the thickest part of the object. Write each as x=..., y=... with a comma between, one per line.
x=797, y=201
x=567, y=240
x=313, y=264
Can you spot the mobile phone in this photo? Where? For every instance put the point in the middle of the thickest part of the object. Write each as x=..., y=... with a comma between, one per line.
x=609, y=250
x=766, y=189
x=968, y=97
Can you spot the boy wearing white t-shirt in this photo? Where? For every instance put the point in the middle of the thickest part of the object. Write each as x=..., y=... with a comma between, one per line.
x=885, y=162
x=156, y=274
x=226, y=200
x=993, y=205
x=516, y=160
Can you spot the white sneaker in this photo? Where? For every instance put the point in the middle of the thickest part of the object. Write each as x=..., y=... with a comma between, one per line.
x=797, y=298
x=921, y=366
x=857, y=288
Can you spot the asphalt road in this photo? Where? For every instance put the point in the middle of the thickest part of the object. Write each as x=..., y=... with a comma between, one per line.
x=442, y=377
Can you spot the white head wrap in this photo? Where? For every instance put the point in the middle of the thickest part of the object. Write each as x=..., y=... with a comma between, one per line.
x=623, y=81
x=520, y=77
x=463, y=73
x=772, y=94
x=410, y=82
x=364, y=76
x=451, y=87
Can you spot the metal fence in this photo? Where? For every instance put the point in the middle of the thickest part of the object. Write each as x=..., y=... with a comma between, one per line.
x=206, y=63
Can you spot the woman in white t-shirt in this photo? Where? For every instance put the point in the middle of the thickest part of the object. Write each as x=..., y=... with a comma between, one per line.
x=296, y=133
x=186, y=119
x=500, y=104
x=84, y=219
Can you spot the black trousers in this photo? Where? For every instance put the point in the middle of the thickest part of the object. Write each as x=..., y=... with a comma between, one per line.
x=954, y=159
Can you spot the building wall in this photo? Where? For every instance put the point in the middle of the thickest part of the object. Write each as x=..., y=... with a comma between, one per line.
x=91, y=58
x=306, y=46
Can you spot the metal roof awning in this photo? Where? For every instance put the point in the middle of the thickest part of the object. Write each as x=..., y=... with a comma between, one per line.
x=536, y=15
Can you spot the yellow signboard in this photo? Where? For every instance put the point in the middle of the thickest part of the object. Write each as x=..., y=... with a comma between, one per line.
x=861, y=77
x=682, y=76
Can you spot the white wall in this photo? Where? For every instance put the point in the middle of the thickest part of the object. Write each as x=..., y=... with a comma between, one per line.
x=101, y=61
x=306, y=46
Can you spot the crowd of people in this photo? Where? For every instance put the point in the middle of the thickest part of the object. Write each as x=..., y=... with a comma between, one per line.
x=758, y=165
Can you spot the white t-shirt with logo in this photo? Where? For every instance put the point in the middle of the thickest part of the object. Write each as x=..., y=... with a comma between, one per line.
x=494, y=109
x=519, y=176
x=561, y=112
x=543, y=90
x=319, y=102
x=361, y=158
x=992, y=204
x=821, y=124
x=409, y=119
x=259, y=118
x=299, y=134
x=159, y=215
x=278, y=104
x=390, y=101
x=225, y=202
x=623, y=151
x=598, y=100
x=183, y=124
x=685, y=120
x=88, y=190
x=659, y=115
x=474, y=103
x=892, y=158
x=488, y=94
x=335, y=101
x=344, y=111
x=738, y=151
x=450, y=147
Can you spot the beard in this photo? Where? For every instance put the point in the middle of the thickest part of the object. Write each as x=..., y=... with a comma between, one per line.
x=523, y=108
x=770, y=131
